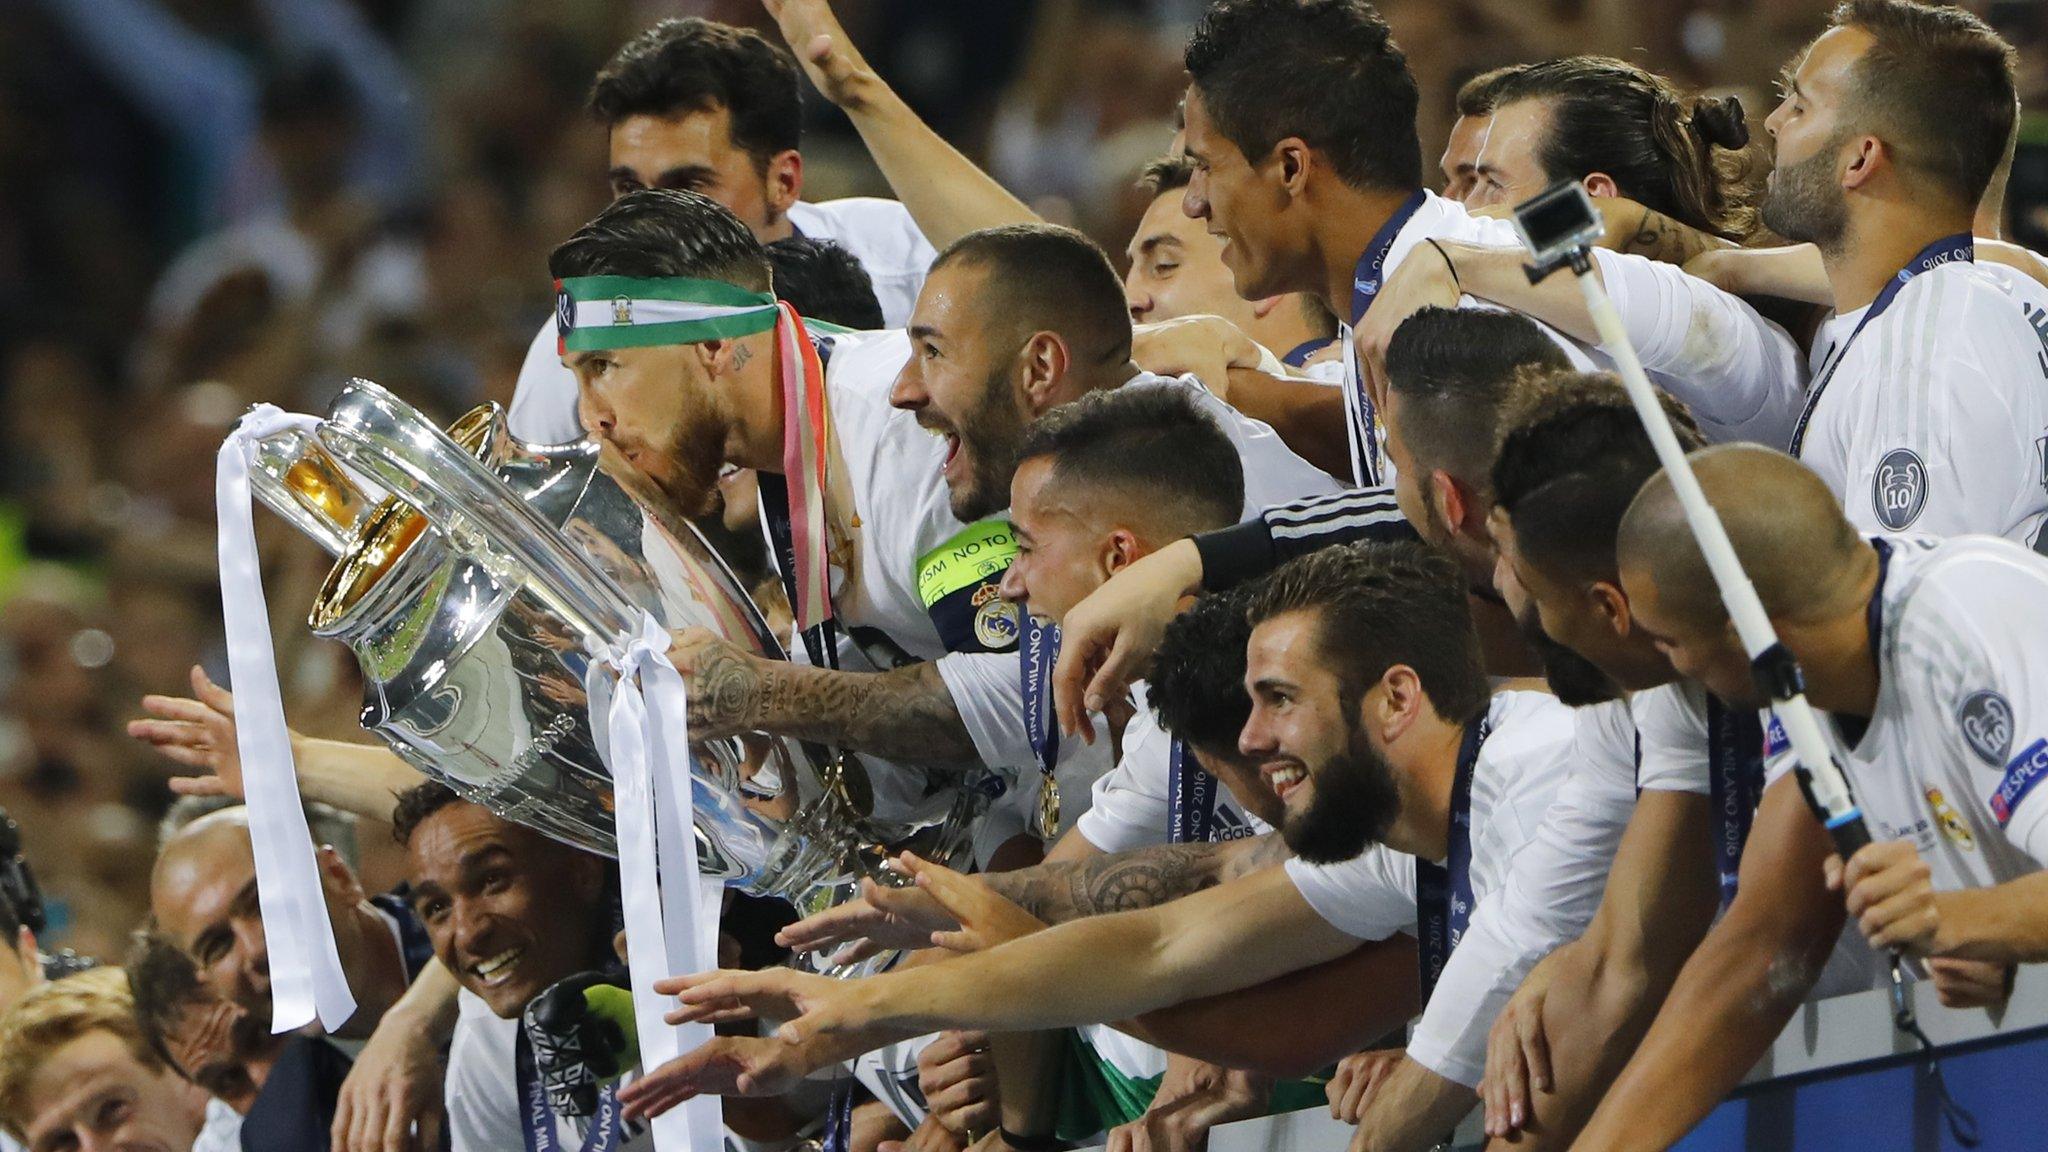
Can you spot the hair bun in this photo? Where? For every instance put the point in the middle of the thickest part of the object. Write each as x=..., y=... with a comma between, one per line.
x=1719, y=121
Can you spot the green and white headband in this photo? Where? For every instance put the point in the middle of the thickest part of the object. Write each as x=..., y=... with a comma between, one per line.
x=593, y=313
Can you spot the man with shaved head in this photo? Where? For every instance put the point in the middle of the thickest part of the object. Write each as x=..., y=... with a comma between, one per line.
x=1918, y=651
x=203, y=895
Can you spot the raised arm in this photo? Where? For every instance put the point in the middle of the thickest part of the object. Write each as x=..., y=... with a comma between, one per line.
x=945, y=193
x=199, y=732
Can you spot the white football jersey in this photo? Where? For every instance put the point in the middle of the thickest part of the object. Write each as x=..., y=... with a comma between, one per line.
x=879, y=233
x=1525, y=760
x=1958, y=741
x=1132, y=805
x=1936, y=418
x=1547, y=898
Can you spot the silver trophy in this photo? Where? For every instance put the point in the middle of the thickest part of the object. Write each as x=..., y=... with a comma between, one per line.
x=474, y=596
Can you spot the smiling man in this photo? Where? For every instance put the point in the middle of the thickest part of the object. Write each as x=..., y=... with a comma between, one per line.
x=511, y=913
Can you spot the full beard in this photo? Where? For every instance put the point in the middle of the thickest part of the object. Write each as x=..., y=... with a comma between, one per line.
x=1804, y=202
x=1355, y=801
x=686, y=466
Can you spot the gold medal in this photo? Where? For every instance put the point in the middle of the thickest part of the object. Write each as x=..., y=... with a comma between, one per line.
x=1048, y=808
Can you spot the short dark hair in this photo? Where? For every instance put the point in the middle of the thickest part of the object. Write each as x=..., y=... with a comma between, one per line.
x=1383, y=604
x=417, y=803
x=1327, y=71
x=1573, y=455
x=823, y=281
x=1045, y=277
x=163, y=980
x=1479, y=95
x=1166, y=174
x=1196, y=682
x=1154, y=445
x=693, y=65
x=1454, y=369
x=1681, y=156
x=1938, y=83
x=655, y=232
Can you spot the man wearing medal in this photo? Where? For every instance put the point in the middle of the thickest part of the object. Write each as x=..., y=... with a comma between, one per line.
x=512, y=914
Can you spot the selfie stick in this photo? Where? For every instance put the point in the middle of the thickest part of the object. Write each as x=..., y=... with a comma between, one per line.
x=1559, y=227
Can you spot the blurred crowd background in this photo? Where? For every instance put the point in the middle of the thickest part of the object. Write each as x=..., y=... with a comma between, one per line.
x=209, y=203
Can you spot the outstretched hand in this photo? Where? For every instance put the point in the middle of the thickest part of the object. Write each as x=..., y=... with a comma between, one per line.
x=197, y=732
x=985, y=918
x=723, y=1066
x=881, y=919
x=811, y=1005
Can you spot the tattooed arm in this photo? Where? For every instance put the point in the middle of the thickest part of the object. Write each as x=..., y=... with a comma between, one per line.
x=1641, y=231
x=903, y=714
x=1140, y=878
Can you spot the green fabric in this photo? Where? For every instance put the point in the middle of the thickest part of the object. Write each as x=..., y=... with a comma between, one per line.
x=1095, y=1096
x=585, y=289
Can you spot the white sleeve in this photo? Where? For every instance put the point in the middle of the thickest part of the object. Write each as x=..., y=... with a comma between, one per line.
x=483, y=1101
x=543, y=409
x=1368, y=897
x=1736, y=370
x=1553, y=887
x=1674, y=742
x=1129, y=807
x=988, y=691
x=1976, y=637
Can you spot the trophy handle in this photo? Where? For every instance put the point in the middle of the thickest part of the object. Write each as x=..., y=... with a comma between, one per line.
x=299, y=480
x=371, y=430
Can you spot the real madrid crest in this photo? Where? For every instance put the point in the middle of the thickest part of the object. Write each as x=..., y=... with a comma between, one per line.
x=995, y=622
x=1951, y=821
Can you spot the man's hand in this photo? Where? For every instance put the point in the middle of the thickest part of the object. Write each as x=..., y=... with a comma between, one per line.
x=723, y=1066
x=725, y=683
x=1518, y=1053
x=1424, y=281
x=1106, y=639
x=1207, y=346
x=1350, y=1090
x=392, y=1098
x=1181, y=1115
x=812, y=1005
x=882, y=919
x=1891, y=894
x=198, y=732
x=985, y=917
x=931, y=1136
x=825, y=50
x=1970, y=983
x=959, y=1083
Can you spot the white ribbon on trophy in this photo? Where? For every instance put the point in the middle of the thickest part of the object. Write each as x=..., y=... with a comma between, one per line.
x=306, y=978
x=671, y=910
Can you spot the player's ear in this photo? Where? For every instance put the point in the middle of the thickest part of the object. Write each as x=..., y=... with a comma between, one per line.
x=1612, y=606
x=1042, y=366
x=784, y=182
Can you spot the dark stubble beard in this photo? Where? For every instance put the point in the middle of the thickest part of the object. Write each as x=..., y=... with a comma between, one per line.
x=989, y=435
x=1576, y=681
x=1354, y=802
x=1805, y=202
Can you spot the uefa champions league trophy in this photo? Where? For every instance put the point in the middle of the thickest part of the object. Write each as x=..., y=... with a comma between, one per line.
x=477, y=594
